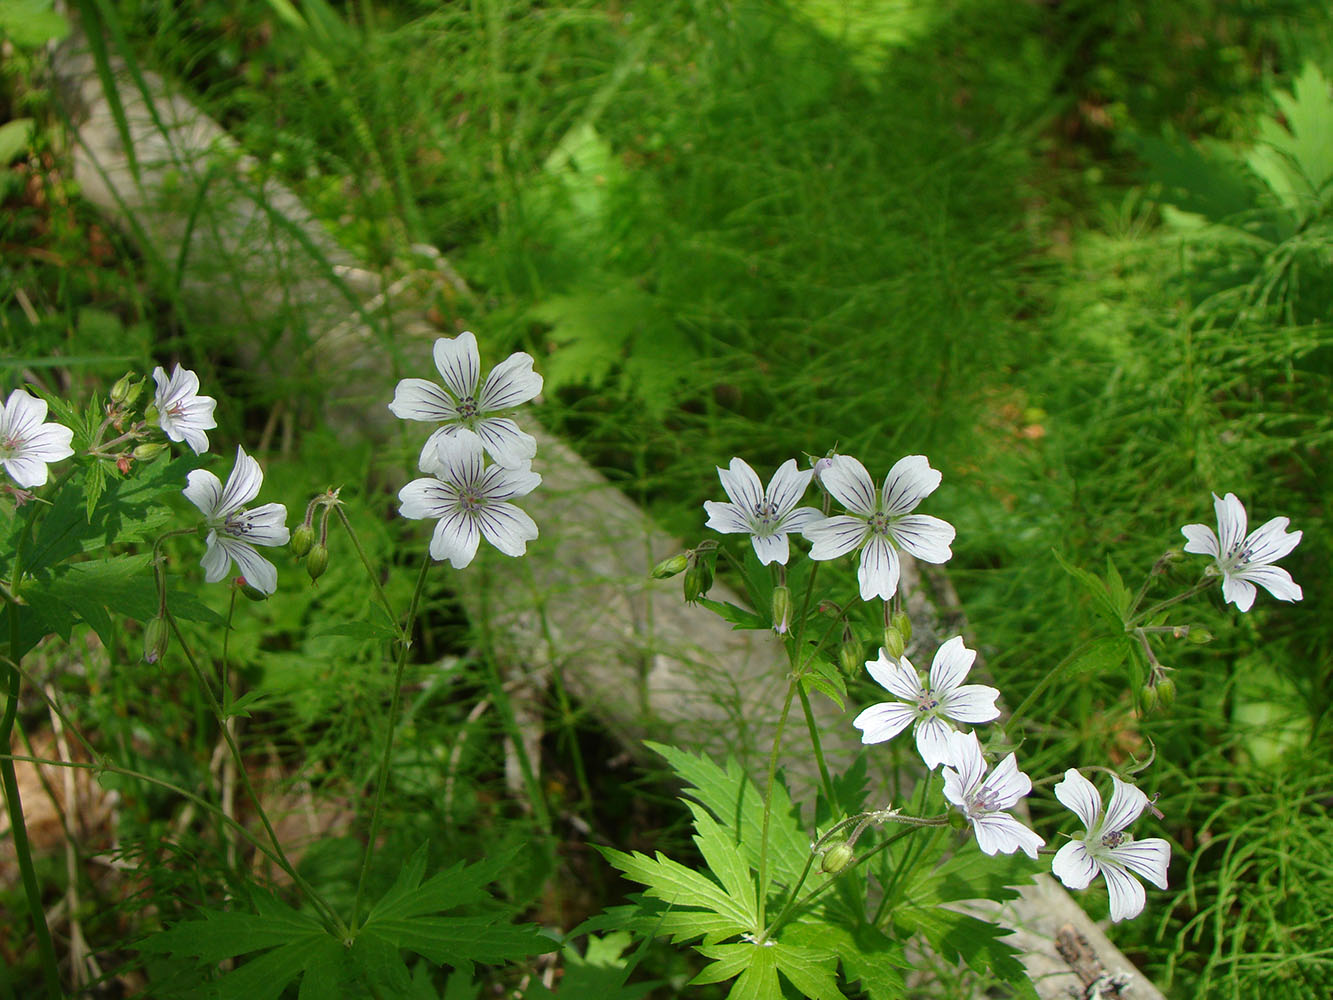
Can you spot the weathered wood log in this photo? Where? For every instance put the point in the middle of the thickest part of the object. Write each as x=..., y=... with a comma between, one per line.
x=581, y=601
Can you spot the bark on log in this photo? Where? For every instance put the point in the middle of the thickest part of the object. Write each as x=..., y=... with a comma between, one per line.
x=581, y=602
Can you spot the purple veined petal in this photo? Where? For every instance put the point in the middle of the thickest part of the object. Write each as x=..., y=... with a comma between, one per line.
x=878, y=574
x=771, y=548
x=926, y=537
x=506, y=527
x=511, y=383
x=971, y=703
x=23, y=413
x=258, y=571
x=459, y=364
x=726, y=518
x=1080, y=795
x=1271, y=541
x=1238, y=591
x=505, y=443
x=427, y=498
x=1000, y=833
x=462, y=458
x=266, y=525
x=836, y=536
x=1074, y=866
x=1007, y=783
x=242, y=485
x=216, y=560
x=963, y=754
x=1274, y=579
x=909, y=482
x=499, y=482
x=952, y=662
x=1230, y=522
x=417, y=399
x=26, y=470
x=1147, y=858
x=1127, y=895
x=1127, y=801
x=848, y=482
x=882, y=722
x=455, y=538
x=787, y=487
x=1200, y=540
x=932, y=741
x=742, y=485
x=896, y=676
x=954, y=788
x=796, y=521
x=204, y=490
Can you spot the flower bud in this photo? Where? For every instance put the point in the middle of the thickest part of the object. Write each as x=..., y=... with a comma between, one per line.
x=836, y=858
x=669, y=567
x=317, y=561
x=1149, y=697
x=148, y=452
x=957, y=820
x=1166, y=691
x=698, y=578
x=903, y=624
x=781, y=610
x=851, y=654
x=1199, y=636
x=302, y=538
x=124, y=390
x=155, y=637
x=894, y=643
x=250, y=590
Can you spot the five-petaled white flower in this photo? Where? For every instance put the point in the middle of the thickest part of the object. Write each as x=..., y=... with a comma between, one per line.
x=767, y=516
x=27, y=444
x=458, y=405
x=1244, y=560
x=182, y=413
x=984, y=800
x=1106, y=847
x=944, y=696
x=880, y=522
x=469, y=499
x=233, y=530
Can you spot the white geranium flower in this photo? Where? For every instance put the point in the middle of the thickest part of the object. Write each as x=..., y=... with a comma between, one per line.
x=984, y=800
x=1106, y=848
x=1244, y=560
x=234, y=531
x=880, y=522
x=182, y=413
x=469, y=499
x=458, y=405
x=944, y=696
x=766, y=515
x=27, y=443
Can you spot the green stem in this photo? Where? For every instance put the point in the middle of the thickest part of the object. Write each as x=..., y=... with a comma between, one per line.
x=382, y=781
x=768, y=801
x=818, y=747
x=1144, y=616
x=370, y=570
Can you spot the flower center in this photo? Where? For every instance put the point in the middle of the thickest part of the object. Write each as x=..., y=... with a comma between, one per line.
x=927, y=702
x=879, y=523
x=765, y=513
x=984, y=799
x=467, y=407
x=237, y=524
x=11, y=446
x=470, y=499
x=1116, y=837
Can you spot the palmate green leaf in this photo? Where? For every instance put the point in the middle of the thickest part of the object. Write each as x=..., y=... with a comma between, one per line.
x=724, y=860
x=739, y=618
x=699, y=907
x=957, y=937
x=756, y=969
x=869, y=957
x=736, y=802
x=598, y=975
x=94, y=591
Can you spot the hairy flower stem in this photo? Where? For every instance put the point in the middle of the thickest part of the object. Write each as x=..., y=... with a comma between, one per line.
x=403, y=646
x=1144, y=616
x=371, y=573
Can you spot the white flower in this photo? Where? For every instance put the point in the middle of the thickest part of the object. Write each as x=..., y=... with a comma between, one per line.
x=182, y=413
x=944, y=696
x=233, y=530
x=879, y=523
x=768, y=516
x=1244, y=560
x=458, y=405
x=983, y=800
x=26, y=443
x=469, y=499
x=1106, y=848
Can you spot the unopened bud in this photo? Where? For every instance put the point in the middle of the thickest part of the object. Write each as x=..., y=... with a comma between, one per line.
x=317, y=561
x=1149, y=697
x=894, y=644
x=150, y=451
x=781, y=610
x=836, y=858
x=1199, y=636
x=669, y=567
x=124, y=390
x=957, y=820
x=698, y=578
x=903, y=624
x=155, y=637
x=302, y=538
x=250, y=590
x=851, y=655
x=1166, y=692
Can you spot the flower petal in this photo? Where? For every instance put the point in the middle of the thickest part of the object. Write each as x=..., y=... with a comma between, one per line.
x=771, y=548
x=1127, y=895
x=216, y=560
x=909, y=482
x=511, y=383
x=928, y=538
x=897, y=676
x=878, y=574
x=1274, y=579
x=266, y=525
x=932, y=741
x=963, y=755
x=204, y=490
x=848, y=482
x=459, y=363
x=726, y=518
x=258, y=571
x=836, y=536
x=970, y=703
x=1201, y=540
x=742, y=485
x=242, y=485
x=417, y=399
x=1230, y=522
x=884, y=721
x=428, y=497
x=1074, y=865
x=455, y=538
x=1000, y=833
x=1271, y=541
x=787, y=487
x=1127, y=801
x=952, y=662
x=1238, y=591
x=506, y=527
x=504, y=442
x=1147, y=858
x=1007, y=783
x=799, y=519
x=501, y=483
x=1079, y=794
